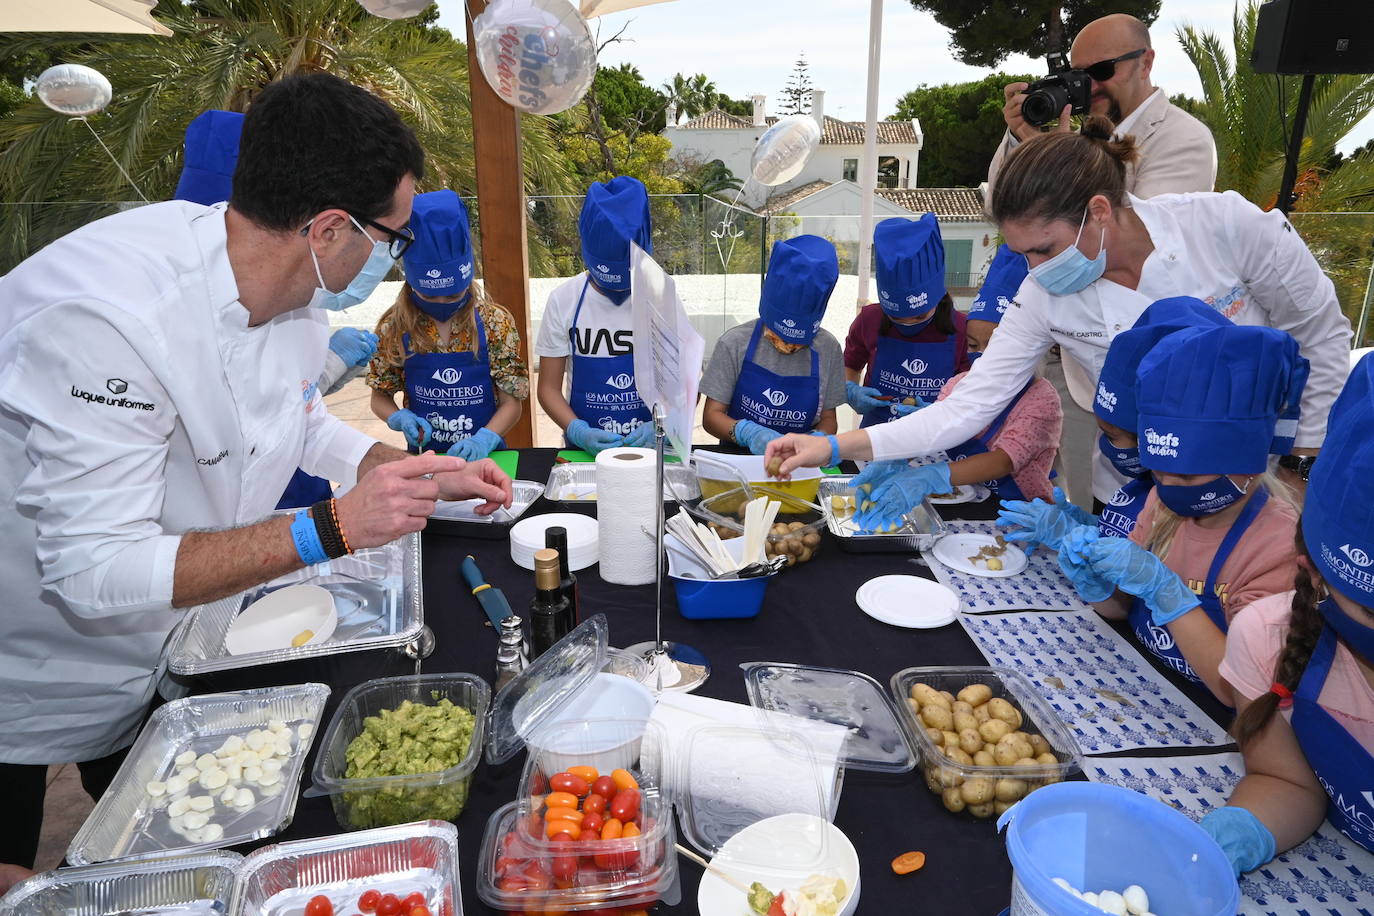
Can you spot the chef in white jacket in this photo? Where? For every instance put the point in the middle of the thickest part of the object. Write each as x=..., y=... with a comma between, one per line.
x=1098, y=258
x=158, y=387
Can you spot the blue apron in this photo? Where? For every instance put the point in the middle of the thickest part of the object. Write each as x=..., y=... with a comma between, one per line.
x=906, y=369
x=1343, y=766
x=304, y=490
x=453, y=391
x=1003, y=487
x=783, y=403
x=1156, y=638
x=602, y=388
x=1118, y=516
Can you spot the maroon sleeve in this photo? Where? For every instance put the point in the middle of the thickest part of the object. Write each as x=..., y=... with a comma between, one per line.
x=862, y=338
x=961, y=360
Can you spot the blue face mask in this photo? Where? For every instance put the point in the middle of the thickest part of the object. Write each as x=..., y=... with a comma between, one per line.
x=375, y=269
x=1199, y=499
x=1125, y=460
x=911, y=330
x=1357, y=635
x=441, y=311
x=1071, y=270
x=974, y=356
x=617, y=296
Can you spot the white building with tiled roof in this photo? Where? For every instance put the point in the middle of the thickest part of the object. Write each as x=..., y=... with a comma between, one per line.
x=731, y=139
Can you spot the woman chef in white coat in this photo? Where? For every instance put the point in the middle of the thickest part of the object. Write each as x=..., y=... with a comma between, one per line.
x=158, y=380
x=1098, y=258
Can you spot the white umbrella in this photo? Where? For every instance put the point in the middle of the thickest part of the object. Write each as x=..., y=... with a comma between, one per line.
x=592, y=8
x=127, y=16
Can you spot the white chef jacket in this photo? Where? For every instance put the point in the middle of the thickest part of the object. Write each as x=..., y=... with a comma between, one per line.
x=1251, y=266
x=135, y=404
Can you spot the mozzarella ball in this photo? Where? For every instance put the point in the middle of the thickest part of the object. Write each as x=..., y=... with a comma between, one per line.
x=1137, y=901
x=212, y=833
x=185, y=758
x=1112, y=902
x=178, y=807
x=156, y=789
x=214, y=779
x=176, y=785
x=194, y=820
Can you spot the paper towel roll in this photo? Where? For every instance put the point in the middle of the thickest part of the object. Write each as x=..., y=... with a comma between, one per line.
x=626, y=507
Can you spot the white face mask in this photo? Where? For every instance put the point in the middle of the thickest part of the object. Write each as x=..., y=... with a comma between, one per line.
x=373, y=272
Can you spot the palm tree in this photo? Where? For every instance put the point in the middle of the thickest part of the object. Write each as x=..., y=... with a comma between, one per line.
x=691, y=96
x=222, y=53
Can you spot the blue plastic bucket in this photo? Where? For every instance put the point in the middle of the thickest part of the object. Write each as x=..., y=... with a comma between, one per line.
x=1103, y=837
x=703, y=598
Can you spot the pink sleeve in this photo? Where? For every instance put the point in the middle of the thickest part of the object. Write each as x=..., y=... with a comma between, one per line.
x=1030, y=437
x=1253, y=642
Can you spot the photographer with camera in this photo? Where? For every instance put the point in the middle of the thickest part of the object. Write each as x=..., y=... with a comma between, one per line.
x=1112, y=61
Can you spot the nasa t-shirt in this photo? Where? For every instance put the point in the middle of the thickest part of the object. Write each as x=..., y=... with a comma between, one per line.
x=721, y=372
x=603, y=328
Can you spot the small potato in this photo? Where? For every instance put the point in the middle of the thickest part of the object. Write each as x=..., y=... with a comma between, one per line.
x=981, y=713
x=1046, y=757
x=994, y=564
x=960, y=706
x=984, y=759
x=989, y=747
x=964, y=720
x=994, y=730
x=914, y=707
x=977, y=791
x=922, y=693
x=976, y=694
x=1019, y=746
x=1000, y=709
x=957, y=754
x=933, y=780
x=970, y=741
x=954, y=802
x=999, y=808
x=812, y=539
x=806, y=554
x=780, y=529
x=1026, y=762
x=1039, y=745
x=936, y=736
x=983, y=810
x=795, y=526
x=951, y=739
x=949, y=778
x=937, y=717
x=950, y=697
x=1004, y=754
x=1010, y=790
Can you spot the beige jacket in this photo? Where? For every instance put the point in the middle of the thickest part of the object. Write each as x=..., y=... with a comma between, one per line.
x=1177, y=153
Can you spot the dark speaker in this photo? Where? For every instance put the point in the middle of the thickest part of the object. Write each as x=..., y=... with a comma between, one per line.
x=1314, y=36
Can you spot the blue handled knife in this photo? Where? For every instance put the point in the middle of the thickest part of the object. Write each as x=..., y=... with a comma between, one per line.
x=493, y=600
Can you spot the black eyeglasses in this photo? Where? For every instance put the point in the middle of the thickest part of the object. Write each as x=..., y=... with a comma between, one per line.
x=1104, y=70
x=401, y=239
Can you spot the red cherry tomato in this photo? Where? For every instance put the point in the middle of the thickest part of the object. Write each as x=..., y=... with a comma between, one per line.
x=368, y=901
x=319, y=905
x=625, y=805
x=564, y=865
x=567, y=782
x=605, y=787
x=411, y=901
x=595, y=804
x=592, y=823
x=389, y=905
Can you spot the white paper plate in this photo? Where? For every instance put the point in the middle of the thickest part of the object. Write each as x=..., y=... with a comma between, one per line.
x=759, y=852
x=953, y=550
x=278, y=617
x=963, y=493
x=908, y=601
x=527, y=536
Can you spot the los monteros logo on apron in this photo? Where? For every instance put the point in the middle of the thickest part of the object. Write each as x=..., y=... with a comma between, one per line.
x=915, y=365
x=448, y=376
x=775, y=397
x=622, y=382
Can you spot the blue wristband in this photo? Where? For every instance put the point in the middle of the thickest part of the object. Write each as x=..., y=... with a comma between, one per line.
x=307, y=539
x=834, y=451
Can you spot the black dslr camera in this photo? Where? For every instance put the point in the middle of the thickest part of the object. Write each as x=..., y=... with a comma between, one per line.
x=1064, y=86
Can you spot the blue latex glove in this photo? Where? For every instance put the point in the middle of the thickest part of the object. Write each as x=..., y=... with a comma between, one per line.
x=896, y=496
x=1079, y=516
x=1040, y=522
x=754, y=436
x=1246, y=841
x=876, y=472
x=1090, y=586
x=862, y=398
x=353, y=345
x=415, y=427
x=1136, y=571
x=642, y=437
x=477, y=446
x=591, y=439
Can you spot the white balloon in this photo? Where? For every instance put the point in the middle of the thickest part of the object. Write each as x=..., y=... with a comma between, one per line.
x=538, y=55
x=783, y=149
x=395, y=9
x=74, y=90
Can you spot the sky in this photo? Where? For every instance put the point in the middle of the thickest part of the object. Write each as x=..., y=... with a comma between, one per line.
x=749, y=46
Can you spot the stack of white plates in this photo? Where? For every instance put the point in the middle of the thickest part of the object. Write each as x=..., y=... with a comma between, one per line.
x=527, y=536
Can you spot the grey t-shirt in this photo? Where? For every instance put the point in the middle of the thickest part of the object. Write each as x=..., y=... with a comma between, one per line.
x=718, y=383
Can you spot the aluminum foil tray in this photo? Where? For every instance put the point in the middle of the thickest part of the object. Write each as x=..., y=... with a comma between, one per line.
x=127, y=822
x=575, y=482
x=458, y=517
x=200, y=885
x=377, y=592
x=930, y=527
x=278, y=880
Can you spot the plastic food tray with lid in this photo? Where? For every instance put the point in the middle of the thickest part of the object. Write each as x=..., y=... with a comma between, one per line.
x=575, y=482
x=457, y=517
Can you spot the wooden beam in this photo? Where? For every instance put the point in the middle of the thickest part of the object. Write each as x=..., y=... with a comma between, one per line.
x=501, y=213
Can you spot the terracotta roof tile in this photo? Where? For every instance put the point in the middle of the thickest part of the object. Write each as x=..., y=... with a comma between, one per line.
x=948, y=204
x=836, y=132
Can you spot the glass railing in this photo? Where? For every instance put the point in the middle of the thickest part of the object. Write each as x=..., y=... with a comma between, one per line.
x=1343, y=244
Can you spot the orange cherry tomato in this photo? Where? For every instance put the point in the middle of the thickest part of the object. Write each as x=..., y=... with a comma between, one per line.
x=567, y=782
x=629, y=830
x=563, y=814
x=908, y=862
x=560, y=800
x=623, y=780
x=588, y=773
x=554, y=828
x=612, y=829
x=421, y=910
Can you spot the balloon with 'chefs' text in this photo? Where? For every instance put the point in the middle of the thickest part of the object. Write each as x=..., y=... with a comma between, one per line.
x=538, y=55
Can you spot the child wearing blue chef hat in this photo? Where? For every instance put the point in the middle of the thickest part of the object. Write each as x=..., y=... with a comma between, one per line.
x=911, y=341
x=1308, y=655
x=1115, y=408
x=794, y=382
x=1213, y=404
x=450, y=351
x=1005, y=275
x=587, y=333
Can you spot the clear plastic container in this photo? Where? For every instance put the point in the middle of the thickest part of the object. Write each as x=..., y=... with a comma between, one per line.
x=201, y=885
x=383, y=800
x=719, y=472
x=724, y=512
x=949, y=777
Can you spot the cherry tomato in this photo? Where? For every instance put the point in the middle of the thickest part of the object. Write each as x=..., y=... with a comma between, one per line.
x=536, y=879
x=605, y=787
x=551, y=830
x=567, y=782
x=775, y=909
x=611, y=829
x=565, y=865
x=411, y=901
x=560, y=800
x=623, y=780
x=625, y=805
x=594, y=804
x=420, y=910
x=389, y=905
x=630, y=857
x=588, y=773
x=563, y=814
x=368, y=901
x=592, y=823
x=319, y=905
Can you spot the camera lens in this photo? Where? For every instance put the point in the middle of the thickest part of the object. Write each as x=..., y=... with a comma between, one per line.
x=1041, y=107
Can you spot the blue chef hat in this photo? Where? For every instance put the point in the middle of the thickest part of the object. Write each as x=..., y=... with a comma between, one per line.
x=439, y=263
x=212, y=151
x=1338, y=513
x=1219, y=400
x=614, y=214
x=1115, y=400
x=909, y=257
x=801, y=274
x=1005, y=273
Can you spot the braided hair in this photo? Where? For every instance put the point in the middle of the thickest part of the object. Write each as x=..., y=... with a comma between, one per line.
x=1304, y=628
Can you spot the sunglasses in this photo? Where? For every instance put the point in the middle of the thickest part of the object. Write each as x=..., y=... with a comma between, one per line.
x=1104, y=70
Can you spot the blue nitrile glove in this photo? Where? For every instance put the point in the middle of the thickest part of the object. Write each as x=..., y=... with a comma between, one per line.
x=875, y=473
x=1241, y=835
x=862, y=398
x=1078, y=515
x=642, y=437
x=1073, y=561
x=1040, y=522
x=477, y=446
x=754, y=436
x=353, y=345
x=415, y=427
x=1138, y=572
x=899, y=494
x=591, y=439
